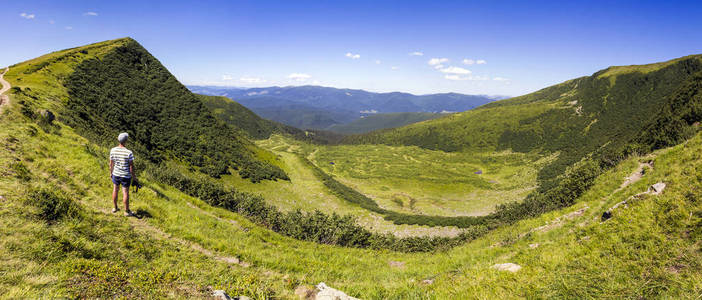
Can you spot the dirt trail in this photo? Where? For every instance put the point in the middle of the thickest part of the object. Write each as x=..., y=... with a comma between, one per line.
x=144, y=227
x=4, y=99
x=635, y=176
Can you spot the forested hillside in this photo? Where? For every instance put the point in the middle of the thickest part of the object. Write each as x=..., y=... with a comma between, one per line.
x=238, y=116
x=118, y=86
x=602, y=113
x=382, y=121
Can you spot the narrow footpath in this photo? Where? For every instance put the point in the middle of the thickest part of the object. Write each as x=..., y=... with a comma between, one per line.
x=4, y=99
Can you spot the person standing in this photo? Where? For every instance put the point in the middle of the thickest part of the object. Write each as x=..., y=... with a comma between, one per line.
x=122, y=172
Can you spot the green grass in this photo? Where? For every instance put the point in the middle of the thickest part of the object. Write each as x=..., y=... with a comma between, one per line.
x=428, y=181
x=647, y=68
x=65, y=243
x=648, y=250
x=304, y=191
x=91, y=253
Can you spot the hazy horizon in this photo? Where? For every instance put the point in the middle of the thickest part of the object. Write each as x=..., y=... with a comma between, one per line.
x=507, y=48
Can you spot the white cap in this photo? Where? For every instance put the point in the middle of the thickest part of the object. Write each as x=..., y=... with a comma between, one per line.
x=122, y=137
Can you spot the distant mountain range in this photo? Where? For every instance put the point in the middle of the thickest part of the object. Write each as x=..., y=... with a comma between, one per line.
x=316, y=107
x=383, y=121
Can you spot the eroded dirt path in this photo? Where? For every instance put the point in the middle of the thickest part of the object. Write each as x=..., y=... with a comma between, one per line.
x=4, y=99
x=141, y=225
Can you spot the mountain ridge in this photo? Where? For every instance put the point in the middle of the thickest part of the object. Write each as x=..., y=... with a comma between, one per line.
x=595, y=234
x=321, y=107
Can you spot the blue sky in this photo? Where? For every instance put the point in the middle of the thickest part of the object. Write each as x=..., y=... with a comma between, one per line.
x=472, y=47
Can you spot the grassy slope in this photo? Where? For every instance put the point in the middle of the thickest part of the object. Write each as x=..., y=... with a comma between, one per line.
x=649, y=249
x=383, y=121
x=63, y=83
x=578, y=117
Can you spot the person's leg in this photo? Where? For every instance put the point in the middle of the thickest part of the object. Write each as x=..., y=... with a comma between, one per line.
x=115, y=189
x=125, y=197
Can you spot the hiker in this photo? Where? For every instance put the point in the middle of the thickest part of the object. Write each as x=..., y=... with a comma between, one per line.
x=122, y=172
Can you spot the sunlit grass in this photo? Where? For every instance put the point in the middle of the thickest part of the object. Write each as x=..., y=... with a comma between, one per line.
x=420, y=181
x=648, y=249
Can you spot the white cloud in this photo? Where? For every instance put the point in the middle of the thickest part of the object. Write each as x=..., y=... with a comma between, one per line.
x=455, y=70
x=299, y=76
x=68, y=28
x=377, y=61
x=27, y=16
x=251, y=80
x=369, y=111
x=500, y=79
x=416, y=53
x=468, y=61
x=316, y=82
x=439, y=67
x=455, y=77
x=469, y=77
x=227, y=77
x=394, y=68
x=353, y=56
x=479, y=78
x=437, y=61
x=90, y=14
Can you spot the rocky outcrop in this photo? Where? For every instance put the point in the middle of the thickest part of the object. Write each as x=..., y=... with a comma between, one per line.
x=655, y=189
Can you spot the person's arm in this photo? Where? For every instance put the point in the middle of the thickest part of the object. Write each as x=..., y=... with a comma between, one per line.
x=132, y=170
x=112, y=166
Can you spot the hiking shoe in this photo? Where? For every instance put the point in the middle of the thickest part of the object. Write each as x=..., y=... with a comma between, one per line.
x=114, y=210
x=129, y=213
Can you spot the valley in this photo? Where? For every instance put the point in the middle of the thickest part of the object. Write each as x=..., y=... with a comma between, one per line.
x=546, y=195
x=419, y=181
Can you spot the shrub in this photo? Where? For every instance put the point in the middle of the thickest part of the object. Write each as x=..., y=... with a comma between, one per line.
x=20, y=170
x=313, y=226
x=53, y=204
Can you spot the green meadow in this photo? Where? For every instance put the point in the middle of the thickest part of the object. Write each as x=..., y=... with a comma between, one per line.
x=60, y=239
x=420, y=181
x=181, y=245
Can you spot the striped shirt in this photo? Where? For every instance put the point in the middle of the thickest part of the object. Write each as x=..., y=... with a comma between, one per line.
x=121, y=157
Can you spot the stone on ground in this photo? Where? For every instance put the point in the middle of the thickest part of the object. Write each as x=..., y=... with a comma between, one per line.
x=507, y=267
x=305, y=292
x=396, y=264
x=657, y=188
x=220, y=295
x=327, y=293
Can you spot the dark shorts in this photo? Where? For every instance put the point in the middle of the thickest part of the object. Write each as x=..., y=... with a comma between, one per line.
x=124, y=181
